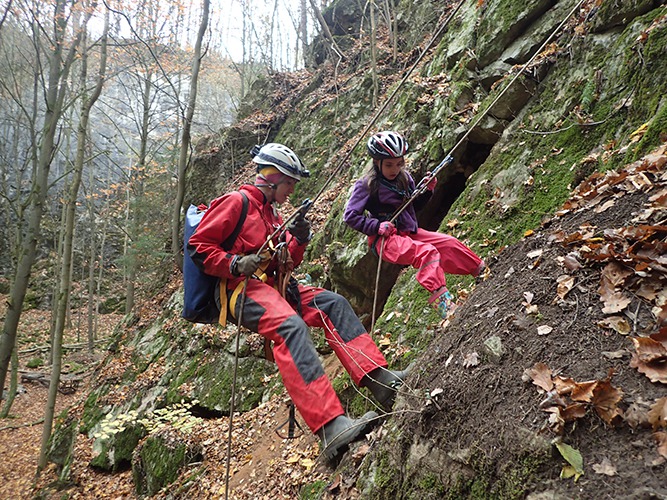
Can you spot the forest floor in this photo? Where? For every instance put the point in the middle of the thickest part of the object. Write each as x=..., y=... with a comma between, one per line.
x=579, y=308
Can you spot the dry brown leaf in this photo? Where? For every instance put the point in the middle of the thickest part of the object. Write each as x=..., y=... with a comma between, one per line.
x=649, y=350
x=605, y=401
x=565, y=284
x=615, y=273
x=564, y=385
x=552, y=399
x=661, y=440
x=583, y=391
x=605, y=467
x=470, y=360
x=657, y=416
x=540, y=374
x=614, y=302
x=574, y=411
x=571, y=262
x=637, y=416
x=616, y=323
x=556, y=420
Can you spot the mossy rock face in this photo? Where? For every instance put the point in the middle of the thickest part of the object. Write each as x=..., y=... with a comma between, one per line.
x=158, y=460
x=614, y=14
x=502, y=22
x=61, y=444
x=115, y=452
x=209, y=380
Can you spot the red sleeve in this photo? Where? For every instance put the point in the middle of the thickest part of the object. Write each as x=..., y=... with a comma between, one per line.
x=218, y=223
x=296, y=250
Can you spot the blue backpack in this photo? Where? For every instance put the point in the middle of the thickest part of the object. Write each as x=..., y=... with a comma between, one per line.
x=199, y=288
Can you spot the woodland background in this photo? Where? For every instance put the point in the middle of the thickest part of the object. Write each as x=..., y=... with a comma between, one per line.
x=98, y=104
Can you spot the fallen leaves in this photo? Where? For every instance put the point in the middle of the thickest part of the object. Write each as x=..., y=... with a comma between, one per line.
x=605, y=467
x=568, y=400
x=650, y=356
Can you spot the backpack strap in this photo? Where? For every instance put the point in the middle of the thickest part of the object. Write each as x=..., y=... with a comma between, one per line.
x=229, y=242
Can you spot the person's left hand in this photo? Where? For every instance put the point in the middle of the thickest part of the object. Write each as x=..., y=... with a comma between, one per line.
x=431, y=182
x=300, y=229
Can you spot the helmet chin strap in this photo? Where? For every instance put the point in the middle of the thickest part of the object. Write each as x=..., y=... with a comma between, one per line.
x=266, y=184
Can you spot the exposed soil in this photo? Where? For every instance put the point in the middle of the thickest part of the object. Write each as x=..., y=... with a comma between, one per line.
x=492, y=408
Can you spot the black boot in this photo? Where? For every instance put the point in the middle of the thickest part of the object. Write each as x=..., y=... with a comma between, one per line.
x=342, y=431
x=383, y=384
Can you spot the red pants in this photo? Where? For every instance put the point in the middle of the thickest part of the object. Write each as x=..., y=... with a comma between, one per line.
x=432, y=254
x=269, y=314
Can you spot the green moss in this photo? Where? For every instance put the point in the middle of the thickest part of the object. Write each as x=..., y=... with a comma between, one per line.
x=160, y=465
x=432, y=484
x=210, y=376
x=385, y=480
x=92, y=411
x=115, y=452
x=35, y=363
x=312, y=491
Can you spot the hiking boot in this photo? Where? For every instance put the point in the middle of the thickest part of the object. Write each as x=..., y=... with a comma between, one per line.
x=341, y=431
x=443, y=302
x=383, y=384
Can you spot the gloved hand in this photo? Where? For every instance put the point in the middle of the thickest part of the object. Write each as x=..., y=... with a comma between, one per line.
x=386, y=228
x=431, y=182
x=246, y=265
x=300, y=229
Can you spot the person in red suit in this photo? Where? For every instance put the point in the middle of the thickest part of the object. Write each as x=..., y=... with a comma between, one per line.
x=286, y=320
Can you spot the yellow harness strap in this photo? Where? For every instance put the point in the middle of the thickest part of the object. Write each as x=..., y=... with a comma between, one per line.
x=222, y=319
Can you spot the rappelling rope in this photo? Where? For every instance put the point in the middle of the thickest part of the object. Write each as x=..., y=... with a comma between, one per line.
x=232, y=404
x=421, y=187
x=304, y=208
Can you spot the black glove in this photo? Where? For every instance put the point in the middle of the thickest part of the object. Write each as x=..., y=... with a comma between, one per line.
x=300, y=229
x=246, y=265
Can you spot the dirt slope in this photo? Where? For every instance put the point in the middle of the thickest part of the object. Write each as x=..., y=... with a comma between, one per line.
x=572, y=307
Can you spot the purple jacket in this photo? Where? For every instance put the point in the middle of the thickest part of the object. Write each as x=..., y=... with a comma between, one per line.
x=364, y=212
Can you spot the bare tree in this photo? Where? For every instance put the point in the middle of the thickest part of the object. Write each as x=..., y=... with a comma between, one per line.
x=185, y=134
x=64, y=289
x=374, y=56
x=325, y=28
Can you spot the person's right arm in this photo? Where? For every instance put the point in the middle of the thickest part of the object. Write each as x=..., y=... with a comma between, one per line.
x=218, y=223
x=355, y=210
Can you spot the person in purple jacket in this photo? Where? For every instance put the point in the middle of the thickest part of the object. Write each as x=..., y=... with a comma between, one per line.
x=378, y=195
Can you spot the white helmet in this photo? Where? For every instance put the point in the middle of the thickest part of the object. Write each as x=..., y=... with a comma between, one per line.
x=281, y=157
x=387, y=144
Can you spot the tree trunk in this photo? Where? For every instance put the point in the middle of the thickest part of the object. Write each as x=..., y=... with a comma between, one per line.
x=303, y=33
x=374, y=72
x=325, y=28
x=92, y=257
x=70, y=216
x=13, y=384
x=185, y=138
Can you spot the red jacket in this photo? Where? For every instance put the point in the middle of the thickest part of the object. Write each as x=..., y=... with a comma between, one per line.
x=219, y=222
